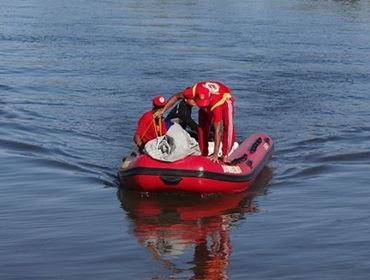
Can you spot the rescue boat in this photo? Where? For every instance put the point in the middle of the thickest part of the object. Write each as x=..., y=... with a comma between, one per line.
x=198, y=174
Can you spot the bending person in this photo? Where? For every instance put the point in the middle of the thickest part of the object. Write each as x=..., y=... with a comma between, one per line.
x=216, y=105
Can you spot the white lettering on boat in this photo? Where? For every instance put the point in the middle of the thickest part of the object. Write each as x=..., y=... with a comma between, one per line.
x=266, y=146
x=231, y=169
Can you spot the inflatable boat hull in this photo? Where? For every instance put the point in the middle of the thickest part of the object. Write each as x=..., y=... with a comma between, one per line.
x=199, y=174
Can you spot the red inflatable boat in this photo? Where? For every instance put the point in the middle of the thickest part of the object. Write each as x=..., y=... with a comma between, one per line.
x=198, y=174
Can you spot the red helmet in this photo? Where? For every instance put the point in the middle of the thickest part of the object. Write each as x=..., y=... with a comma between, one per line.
x=202, y=100
x=159, y=101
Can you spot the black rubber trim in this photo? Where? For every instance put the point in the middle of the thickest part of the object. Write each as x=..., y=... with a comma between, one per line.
x=196, y=173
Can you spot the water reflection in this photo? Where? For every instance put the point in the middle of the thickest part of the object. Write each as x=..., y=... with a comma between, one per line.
x=171, y=225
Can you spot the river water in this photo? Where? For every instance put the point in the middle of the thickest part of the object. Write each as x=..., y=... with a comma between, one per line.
x=76, y=75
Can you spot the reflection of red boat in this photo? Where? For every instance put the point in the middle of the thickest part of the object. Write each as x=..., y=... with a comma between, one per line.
x=172, y=223
x=199, y=174
x=169, y=225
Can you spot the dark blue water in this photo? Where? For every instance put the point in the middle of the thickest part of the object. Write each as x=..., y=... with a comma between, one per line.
x=76, y=75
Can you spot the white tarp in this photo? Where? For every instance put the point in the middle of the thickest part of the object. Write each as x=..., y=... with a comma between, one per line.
x=175, y=145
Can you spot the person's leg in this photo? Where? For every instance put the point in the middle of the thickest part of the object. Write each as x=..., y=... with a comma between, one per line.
x=228, y=136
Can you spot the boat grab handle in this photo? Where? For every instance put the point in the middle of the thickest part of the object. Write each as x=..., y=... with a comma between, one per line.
x=255, y=145
x=171, y=180
x=238, y=160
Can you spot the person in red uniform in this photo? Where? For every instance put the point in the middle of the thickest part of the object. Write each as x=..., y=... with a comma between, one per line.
x=216, y=105
x=151, y=124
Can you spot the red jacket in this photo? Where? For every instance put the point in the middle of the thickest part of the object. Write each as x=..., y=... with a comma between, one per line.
x=148, y=128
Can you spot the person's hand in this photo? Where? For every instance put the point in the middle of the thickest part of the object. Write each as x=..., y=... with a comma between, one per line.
x=214, y=158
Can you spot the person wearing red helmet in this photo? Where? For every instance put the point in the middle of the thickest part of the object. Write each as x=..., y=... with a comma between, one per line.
x=216, y=105
x=151, y=124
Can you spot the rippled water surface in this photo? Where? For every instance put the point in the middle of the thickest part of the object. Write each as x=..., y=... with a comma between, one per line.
x=76, y=75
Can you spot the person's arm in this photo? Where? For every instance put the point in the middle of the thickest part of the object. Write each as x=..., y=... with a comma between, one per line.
x=217, y=140
x=217, y=120
x=172, y=100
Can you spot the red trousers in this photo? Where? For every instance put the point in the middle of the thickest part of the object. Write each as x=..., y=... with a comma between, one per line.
x=206, y=120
